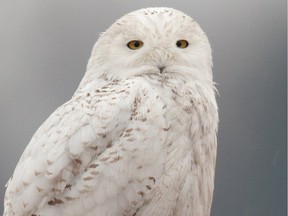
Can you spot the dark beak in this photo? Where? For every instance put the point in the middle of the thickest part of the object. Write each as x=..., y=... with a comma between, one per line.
x=161, y=68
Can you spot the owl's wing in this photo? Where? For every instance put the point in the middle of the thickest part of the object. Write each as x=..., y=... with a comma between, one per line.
x=80, y=151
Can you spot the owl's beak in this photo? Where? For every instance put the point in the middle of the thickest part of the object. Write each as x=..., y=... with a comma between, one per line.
x=161, y=68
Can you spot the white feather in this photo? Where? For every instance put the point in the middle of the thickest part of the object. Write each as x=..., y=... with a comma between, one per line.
x=134, y=139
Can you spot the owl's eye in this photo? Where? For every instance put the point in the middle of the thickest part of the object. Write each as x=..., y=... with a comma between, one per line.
x=135, y=44
x=182, y=44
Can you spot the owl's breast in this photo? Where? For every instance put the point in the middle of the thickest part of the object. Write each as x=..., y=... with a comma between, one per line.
x=187, y=116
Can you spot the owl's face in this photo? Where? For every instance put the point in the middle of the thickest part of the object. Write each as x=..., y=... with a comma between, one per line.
x=160, y=41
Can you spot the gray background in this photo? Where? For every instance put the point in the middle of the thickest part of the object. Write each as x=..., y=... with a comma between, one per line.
x=45, y=45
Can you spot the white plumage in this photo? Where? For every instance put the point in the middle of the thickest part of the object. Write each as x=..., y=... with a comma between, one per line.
x=138, y=136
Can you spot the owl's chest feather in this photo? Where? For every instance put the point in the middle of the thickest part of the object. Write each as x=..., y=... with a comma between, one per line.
x=189, y=121
x=182, y=105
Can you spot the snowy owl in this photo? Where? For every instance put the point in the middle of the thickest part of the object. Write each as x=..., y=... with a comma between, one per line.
x=138, y=137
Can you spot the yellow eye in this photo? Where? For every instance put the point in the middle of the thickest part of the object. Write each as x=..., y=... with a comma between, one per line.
x=182, y=44
x=135, y=44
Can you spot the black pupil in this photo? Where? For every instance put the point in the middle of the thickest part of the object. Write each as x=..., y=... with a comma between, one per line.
x=136, y=44
x=178, y=43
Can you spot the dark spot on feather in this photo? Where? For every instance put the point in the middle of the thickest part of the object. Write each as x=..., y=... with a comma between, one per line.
x=49, y=162
x=94, y=173
x=88, y=178
x=25, y=205
x=104, y=159
x=78, y=161
x=69, y=198
x=103, y=135
x=51, y=202
x=58, y=201
x=148, y=187
x=94, y=148
x=68, y=186
x=39, y=189
x=48, y=173
x=93, y=165
x=141, y=193
x=129, y=130
x=109, y=145
x=169, y=144
x=54, y=190
x=152, y=178
x=188, y=110
x=166, y=129
x=112, y=153
x=115, y=159
x=37, y=173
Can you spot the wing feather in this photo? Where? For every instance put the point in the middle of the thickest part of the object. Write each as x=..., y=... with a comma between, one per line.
x=103, y=152
x=63, y=146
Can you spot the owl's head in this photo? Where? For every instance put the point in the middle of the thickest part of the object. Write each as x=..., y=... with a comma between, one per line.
x=160, y=41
